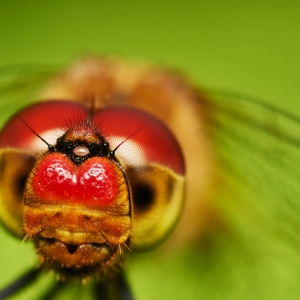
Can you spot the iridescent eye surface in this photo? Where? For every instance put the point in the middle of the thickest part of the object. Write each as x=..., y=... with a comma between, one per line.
x=112, y=178
x=48, y=119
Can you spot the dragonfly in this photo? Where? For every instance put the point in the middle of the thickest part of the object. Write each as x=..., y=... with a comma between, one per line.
x=211, y=175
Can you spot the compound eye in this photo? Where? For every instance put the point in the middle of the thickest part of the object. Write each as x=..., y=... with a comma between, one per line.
x=155, y=168
x=148, y=140
x=47, y=119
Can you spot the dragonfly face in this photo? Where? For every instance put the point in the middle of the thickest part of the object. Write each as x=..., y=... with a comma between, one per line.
x=92, y=187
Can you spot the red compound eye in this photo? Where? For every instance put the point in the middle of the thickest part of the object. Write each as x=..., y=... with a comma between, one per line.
x=149, y=139
x=47, y=119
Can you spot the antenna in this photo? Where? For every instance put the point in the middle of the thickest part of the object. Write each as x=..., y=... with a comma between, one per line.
x=50, y=147
x=125, y=140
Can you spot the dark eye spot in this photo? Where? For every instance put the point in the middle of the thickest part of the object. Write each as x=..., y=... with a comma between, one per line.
x=20, y=185
x=143, y=197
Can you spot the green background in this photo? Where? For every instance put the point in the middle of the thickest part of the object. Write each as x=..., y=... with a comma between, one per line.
x=250, y=46
x=247, y=46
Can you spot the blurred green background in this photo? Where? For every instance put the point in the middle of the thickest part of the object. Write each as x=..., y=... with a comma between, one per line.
x=247, y=46
x=250, y=46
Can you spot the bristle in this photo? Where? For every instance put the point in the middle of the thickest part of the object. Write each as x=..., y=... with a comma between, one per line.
x=82, y=120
